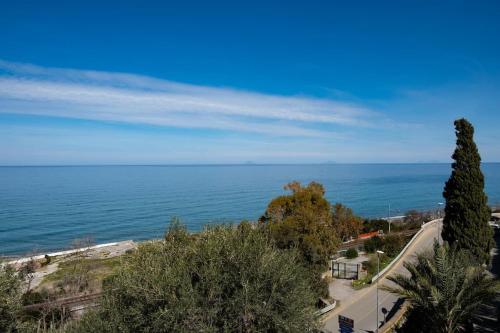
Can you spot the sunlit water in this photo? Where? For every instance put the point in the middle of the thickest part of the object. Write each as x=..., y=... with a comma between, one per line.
x=45, y=208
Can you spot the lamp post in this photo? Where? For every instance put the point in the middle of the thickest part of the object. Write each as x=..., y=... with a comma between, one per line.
x=440, y=204
x=439, y=216
x=378, y=273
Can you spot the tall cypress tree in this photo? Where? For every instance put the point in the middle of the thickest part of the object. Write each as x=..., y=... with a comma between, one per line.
x=466, y=213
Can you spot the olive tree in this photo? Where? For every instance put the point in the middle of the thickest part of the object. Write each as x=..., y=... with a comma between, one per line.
x=223, y=280
x=10, y=299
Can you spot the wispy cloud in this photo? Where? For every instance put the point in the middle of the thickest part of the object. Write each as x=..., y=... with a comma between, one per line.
x=95, y=95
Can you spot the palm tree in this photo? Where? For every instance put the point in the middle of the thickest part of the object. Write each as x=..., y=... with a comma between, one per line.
x=444, y=289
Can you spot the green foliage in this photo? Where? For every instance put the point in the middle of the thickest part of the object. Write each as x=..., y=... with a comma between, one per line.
x=47, y=319
x=27, y=272
x=47, y=261
x=351, y=253
x=373, y=244
x=466, y=212
x=317, y=283
x=374, y=260
x=375, y=225
x=224, y=280
x=414, y=219
x=10, y=299
x=34, y=297
x=444, y=290
x=303, y=220
x=177, y=232
x=81, y=273
x=393, y=244
x=345, y=223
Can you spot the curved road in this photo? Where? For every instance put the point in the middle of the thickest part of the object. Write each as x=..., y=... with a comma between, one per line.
x=362, y=306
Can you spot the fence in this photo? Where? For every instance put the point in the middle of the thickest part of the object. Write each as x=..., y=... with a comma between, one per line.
x=343, y=270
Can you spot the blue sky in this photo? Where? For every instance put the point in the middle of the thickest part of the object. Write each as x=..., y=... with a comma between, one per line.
x=230, y=82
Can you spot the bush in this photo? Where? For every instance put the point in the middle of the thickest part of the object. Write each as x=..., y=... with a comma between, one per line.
x=414, y=219
x=47, y=260
x=372, y=264
x=373, y=244
x=318, y=284
x=10, y=299
x=351, y=254
x=224, y=280
x=393, y=244
x=376, y=225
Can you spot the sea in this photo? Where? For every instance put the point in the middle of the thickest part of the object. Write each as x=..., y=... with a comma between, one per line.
x=46, y=208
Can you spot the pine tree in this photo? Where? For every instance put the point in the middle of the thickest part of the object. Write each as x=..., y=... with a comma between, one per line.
x=465, y=224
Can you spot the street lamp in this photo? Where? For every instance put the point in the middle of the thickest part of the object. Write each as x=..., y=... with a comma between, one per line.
x=378, y=277
x=439, y=208
x=439, y=216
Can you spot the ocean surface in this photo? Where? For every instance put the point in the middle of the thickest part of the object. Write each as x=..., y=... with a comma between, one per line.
x=45, y=208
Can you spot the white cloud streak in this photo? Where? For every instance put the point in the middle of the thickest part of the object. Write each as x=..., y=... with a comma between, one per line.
x=120, y=97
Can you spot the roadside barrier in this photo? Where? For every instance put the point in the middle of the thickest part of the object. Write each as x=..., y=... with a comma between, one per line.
x=412, y=240
x=326, y=309
x=389, y=325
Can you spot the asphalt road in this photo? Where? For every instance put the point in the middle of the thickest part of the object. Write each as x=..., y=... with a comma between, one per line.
x=362, y=306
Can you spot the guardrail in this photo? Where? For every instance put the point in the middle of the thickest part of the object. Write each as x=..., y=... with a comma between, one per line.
x=412, y=240
x=326, y=309
x=389, y=325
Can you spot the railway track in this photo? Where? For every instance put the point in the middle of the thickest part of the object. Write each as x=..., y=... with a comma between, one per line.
x=358, y=242
x=74, y=303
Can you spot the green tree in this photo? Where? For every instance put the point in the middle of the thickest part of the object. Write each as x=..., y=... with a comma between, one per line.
x=444, y=290
x=351, y=253
x=345, y=223
x=466, y=212
x=10, y=299
x=224, y=280
x=302, y=220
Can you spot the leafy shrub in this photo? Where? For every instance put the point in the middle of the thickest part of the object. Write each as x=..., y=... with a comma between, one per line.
x=47, y=260
x=224, y=280
x=373, y=244
x=392, y=245
x=414, y=219
x=372, y=264
x=351, y=254
x=10, y=299
x=376, y=225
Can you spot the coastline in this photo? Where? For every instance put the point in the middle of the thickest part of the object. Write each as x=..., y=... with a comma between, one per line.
x=20, y=258
x=107, y=250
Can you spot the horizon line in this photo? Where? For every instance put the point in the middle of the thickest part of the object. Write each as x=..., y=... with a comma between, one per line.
x=221, y=164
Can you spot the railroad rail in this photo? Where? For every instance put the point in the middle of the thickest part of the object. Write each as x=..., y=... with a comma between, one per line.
x=67, y=302
x=360, y=241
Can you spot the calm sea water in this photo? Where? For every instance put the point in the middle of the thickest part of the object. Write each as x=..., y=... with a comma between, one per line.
x=45, y=208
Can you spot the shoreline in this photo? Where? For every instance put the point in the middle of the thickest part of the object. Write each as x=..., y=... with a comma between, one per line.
x=12, y=258
x=109, y=250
